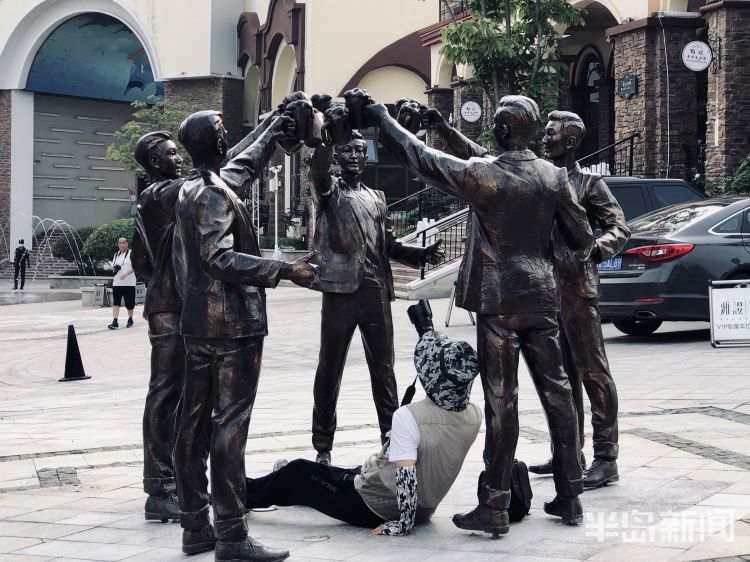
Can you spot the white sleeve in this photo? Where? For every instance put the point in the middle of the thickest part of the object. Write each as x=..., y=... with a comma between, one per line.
x=404, y=436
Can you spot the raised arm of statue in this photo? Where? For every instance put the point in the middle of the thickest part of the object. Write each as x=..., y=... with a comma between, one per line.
x=252, y=136
x=456, y=144
x=244, y=168
x=320, y=175
x=462, y=178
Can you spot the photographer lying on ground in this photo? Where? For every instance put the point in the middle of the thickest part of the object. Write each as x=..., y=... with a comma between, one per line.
x=395, y=488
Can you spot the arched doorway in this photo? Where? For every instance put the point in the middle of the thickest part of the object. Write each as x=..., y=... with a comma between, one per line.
x=383, y=172
x=588, y=99
x=83, y=77
x=588, y=87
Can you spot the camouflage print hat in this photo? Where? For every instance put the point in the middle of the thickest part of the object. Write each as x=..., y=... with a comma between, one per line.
x=446, y=368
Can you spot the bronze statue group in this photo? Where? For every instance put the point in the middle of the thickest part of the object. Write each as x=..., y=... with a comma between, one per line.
x=529, y=273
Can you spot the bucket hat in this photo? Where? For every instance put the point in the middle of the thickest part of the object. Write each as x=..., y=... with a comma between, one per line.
x=446, y=369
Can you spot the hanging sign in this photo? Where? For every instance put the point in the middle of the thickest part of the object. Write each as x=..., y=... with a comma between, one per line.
x=627, y=86
x=471, y=111
x=697, y=56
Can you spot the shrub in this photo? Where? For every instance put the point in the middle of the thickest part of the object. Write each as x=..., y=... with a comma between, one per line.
x=740, y=181
x=101, y=245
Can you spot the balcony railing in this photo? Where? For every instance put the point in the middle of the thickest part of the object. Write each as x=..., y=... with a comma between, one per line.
x=450, y=9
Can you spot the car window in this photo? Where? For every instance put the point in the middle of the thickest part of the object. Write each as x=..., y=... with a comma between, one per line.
x=672, y=219
x=631, y=199
x=732, y=225
x=671, y=194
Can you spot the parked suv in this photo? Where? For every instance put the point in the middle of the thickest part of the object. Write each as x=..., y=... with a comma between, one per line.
x=638, y=196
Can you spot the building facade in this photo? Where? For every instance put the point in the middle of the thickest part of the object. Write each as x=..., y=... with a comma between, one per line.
x=624, y=74
x=70, y=68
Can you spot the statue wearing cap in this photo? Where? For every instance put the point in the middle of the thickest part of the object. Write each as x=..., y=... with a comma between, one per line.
x=402, y=484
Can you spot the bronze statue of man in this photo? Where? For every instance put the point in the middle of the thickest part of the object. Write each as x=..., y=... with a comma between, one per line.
x=157, y=154
x=354, y=244
x=507, y=277
x=220, y=278
x=581, y=330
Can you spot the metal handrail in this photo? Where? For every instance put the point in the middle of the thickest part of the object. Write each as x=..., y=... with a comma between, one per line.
x=635, y=135
x=410, y=197
x=612, y=149
x=453, y=232
x=426, y=203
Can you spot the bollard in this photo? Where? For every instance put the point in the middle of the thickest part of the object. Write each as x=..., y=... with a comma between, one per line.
x=73, y=364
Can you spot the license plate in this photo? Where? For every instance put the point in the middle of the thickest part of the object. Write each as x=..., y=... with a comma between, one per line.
x=612, y=264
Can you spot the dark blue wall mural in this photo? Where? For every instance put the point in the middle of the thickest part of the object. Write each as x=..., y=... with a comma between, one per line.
x=93, y=56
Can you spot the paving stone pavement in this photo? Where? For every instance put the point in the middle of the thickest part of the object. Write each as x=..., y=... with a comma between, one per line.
x=71, y=461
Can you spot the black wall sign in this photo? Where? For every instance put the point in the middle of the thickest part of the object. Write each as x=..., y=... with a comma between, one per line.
x=627, y=86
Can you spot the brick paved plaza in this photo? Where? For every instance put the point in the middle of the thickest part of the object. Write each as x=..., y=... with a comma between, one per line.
x=71, y=461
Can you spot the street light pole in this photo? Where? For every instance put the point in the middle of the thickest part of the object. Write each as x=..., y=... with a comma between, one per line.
x=273, y=186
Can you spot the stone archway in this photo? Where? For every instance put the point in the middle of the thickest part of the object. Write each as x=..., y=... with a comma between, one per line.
x=284, y=73
x=16, y=57
x=39, y=22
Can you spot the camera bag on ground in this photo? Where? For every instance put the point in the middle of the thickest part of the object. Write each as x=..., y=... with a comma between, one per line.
x=520, y=492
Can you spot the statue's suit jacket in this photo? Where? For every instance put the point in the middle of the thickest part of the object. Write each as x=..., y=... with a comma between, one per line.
x=604, y=211
x=516, y=199
x=218, y=269
x=340, y=243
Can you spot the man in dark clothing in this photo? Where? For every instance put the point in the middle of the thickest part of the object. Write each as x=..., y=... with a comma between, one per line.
x=507, y=278
x=20, y=260
x=157, y=154
x=220, y=278
x=581, y=334
x=354, y=244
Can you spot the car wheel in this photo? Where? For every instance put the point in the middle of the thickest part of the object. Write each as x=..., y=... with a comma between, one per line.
x=634, y=327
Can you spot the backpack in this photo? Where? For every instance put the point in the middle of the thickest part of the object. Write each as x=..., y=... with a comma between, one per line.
x=520, y=492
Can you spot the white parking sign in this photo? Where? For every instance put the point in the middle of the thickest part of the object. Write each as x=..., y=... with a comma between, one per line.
x=730, y=313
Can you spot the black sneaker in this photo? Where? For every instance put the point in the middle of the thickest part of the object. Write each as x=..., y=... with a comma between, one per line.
x=601, y=473
x=195, y=542
x=544, y=468
x=324, y=457
x=114, y=325
x=247, y=550
x=162, y=508
x=130, y=323
x=569, y=509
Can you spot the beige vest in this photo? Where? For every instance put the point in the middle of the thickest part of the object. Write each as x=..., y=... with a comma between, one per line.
x=444, y=440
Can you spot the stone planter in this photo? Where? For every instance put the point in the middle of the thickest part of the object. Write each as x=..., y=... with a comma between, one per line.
x=289, y=255
x=76, y=281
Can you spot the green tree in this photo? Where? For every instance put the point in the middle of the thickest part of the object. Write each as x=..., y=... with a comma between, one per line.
x=101, y=244
x=154, y=115
x=513, y=46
